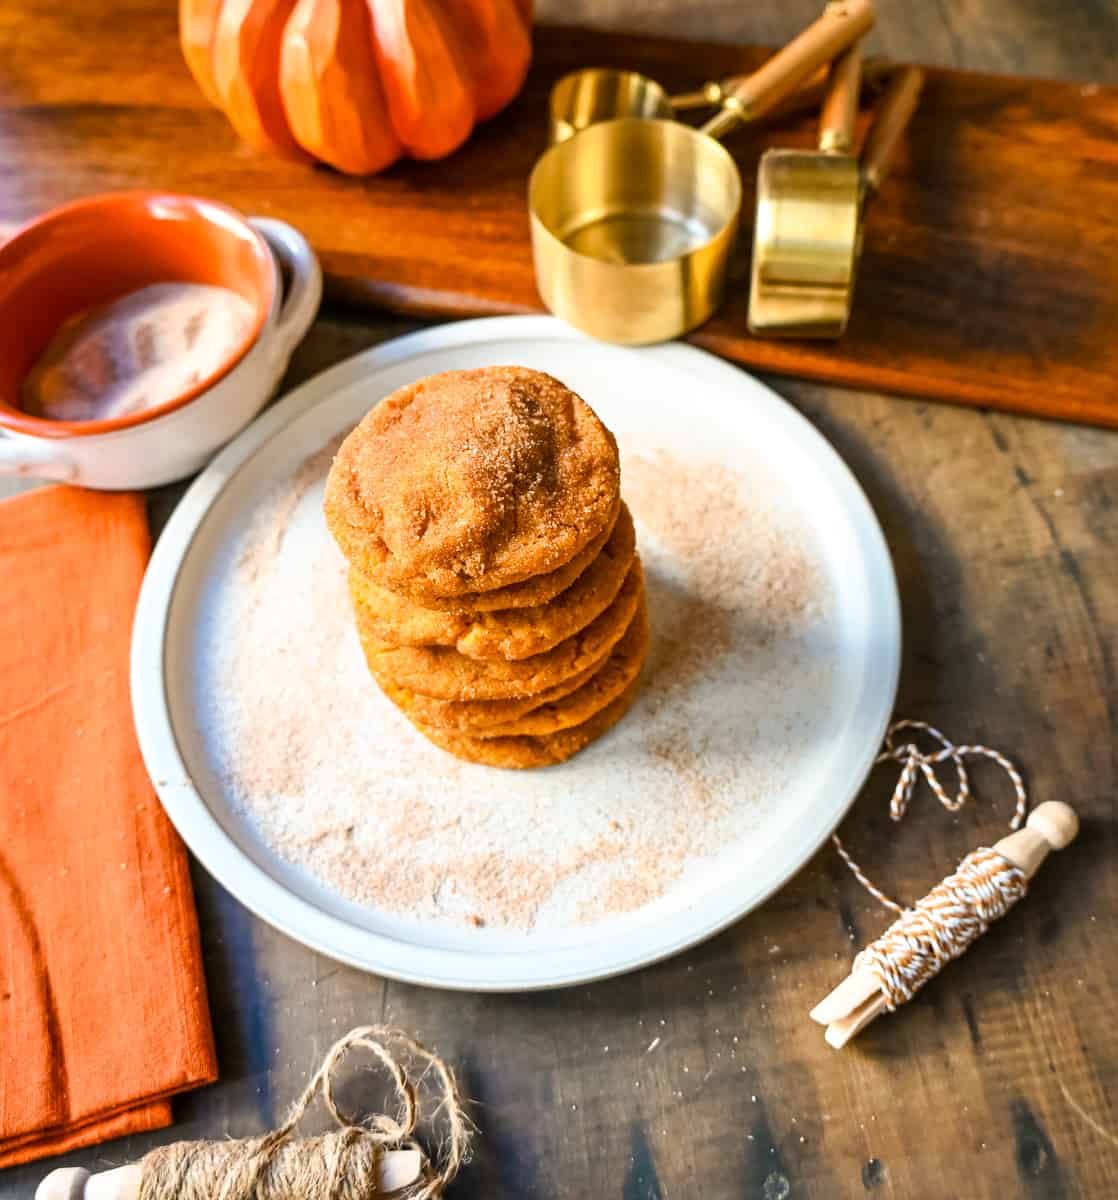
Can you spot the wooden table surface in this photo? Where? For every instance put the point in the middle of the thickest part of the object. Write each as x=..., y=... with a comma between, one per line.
x=1001, y=1079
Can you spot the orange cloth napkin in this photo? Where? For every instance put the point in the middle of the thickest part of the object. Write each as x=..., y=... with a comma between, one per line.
x=103, y=1012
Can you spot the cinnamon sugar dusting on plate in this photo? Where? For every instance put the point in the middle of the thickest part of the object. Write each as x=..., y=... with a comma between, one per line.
x=338, y=784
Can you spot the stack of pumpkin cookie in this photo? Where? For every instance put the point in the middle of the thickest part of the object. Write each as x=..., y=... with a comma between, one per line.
x=493, y=568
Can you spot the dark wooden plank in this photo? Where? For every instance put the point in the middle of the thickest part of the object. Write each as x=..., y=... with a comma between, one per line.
x=989, y=274
x=999, y=1080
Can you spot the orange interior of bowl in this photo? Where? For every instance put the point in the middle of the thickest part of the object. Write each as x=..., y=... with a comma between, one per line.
x=94, y=251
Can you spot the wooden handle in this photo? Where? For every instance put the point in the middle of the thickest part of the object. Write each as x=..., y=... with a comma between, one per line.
x=897, y=106
x=876, y=71
x=840, y=106
x=842, y=22
x=1050, y=826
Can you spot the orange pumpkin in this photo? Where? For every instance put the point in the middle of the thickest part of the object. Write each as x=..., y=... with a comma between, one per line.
x=357, y=83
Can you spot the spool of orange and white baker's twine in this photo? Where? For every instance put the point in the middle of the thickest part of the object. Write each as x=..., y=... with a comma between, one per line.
x=958, y=911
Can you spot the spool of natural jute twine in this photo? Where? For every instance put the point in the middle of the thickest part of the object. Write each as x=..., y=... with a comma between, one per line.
x=360, y=1159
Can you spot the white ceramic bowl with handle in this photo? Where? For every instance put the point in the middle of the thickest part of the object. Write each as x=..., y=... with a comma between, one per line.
x=98, y=249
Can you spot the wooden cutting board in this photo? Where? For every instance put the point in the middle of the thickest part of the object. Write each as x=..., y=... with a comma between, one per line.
x=990, y=273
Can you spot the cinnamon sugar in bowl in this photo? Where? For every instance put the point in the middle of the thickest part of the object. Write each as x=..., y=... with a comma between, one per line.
x=113, y=373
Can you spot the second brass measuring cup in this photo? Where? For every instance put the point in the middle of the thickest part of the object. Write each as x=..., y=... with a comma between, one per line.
x=633, y=220
x=806, y=225
x=807, y=235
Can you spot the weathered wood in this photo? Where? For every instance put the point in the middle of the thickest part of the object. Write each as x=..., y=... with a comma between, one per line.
x=1001, y=1078
x=989, y=274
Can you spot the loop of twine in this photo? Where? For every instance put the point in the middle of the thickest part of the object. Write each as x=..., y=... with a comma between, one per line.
x=914, y=763
x=341, y=1165
x=957, y=911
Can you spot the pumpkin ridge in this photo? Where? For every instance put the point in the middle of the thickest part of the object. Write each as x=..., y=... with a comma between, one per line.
x=428, y=97
x=496, y=49
x=246, y=54
x=331, y=92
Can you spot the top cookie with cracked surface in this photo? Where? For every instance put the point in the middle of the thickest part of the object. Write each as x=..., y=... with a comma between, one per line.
x=472, y=480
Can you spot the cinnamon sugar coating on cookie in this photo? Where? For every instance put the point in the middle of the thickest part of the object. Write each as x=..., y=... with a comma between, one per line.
x=608, y=682
x=474, y=716
x=506, y=633
x=528, y=593
x=472, y=480
x=441, y=672
x=524, y=751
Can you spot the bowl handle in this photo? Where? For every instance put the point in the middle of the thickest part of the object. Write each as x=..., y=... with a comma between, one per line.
x=35, y=460
x=304, y=291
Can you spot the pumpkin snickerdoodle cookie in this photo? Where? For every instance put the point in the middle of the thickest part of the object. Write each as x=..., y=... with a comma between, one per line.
x=473, y=716
x=569, y=703
x=523, y=751
x=528, y=593
x=607, y=683
x=470, y=481
x=508, y=633
x=442, y=672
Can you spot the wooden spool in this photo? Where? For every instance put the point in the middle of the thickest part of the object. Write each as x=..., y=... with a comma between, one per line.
x=858, y=1000
x=397, y=1169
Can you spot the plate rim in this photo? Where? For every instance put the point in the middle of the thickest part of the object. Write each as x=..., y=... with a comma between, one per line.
x=299, y=918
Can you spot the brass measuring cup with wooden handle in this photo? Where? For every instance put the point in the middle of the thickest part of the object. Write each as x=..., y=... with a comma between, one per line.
x=633, y=220
x=807, y=236
x=584, y=98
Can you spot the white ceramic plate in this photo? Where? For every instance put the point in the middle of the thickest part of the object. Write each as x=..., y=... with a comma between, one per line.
x=686, y=397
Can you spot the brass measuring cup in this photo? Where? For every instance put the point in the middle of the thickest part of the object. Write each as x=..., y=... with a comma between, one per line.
x=810, y=209
x=633, y=219
x=584, y=98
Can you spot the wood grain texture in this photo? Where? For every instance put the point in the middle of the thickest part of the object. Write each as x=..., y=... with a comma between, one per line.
x=990, y=272
x=1001, y=1079
x=994, y=1082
